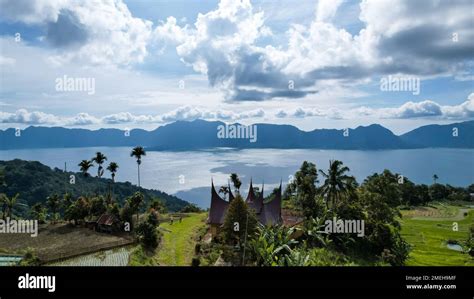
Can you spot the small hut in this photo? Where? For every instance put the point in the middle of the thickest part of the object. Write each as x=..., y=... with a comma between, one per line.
x=107, y=223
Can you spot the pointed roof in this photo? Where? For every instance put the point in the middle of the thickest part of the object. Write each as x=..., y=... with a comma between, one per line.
x=253, y=201
x=271, y=211
x=218, y=207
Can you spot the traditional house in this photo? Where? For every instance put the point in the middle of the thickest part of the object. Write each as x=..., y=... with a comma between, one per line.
x=107, y=223
x=268, y=213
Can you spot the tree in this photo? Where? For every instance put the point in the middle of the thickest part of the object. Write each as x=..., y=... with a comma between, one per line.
x=439, y=192
x=236, y=181
x=53, y=203
x=435, y=178
x=78, y=210
x=386, y=185
x=10, y=203
x=113, y=170
x=126, y=214
x=97, y=206
x=38, y=212
x=85, y=165
x=337, y=183
x=157, y=205
x=135, y=201
x=138, y=152
x=302, y=189
x=240, y=222
x=147, y=233
x=191, y=208
x=224, y=190
x=99, y=159
x=67, y=200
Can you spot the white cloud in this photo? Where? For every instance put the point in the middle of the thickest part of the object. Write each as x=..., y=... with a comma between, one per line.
x=91, y=32
x=81, y=119
x=327, y=9
x=127, y=117
x=24, y=117
x=7, y=61
x=399, y=37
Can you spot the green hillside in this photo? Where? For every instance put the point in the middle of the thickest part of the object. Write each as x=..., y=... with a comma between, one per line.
x=35, y=182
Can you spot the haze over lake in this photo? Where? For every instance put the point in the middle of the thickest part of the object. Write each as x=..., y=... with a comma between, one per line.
x=162, y=169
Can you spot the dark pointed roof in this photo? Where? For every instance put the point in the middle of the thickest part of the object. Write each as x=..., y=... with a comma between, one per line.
x=218, y=207
x=268, y=213
x=253, y=201
x=271, y=211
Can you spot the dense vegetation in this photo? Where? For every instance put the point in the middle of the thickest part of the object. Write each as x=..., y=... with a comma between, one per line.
x=35, y=182
x=321, y=195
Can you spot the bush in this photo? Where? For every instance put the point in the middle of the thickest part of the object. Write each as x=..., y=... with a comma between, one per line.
x=195, y=262
x=30, y=258
x=147, y=234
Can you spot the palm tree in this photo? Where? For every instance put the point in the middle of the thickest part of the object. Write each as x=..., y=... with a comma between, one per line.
x=236, y=181
x=337, y=183
x=113, y=169
x=99, y=159
x=224, y=190
x=85, y=165
x=135, y=202
x=10, y=203
x=435, y=178
x=53, y=202
x=138, y=152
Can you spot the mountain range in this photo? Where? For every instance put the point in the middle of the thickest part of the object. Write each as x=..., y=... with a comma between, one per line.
x=201, y=134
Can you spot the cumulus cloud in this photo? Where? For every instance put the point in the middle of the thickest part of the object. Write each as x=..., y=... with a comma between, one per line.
x=326, y=9
x=402, y=37
x=127, y=117
x=95, y=32
x=81, y=119
x=23, y=116
x=425, y=109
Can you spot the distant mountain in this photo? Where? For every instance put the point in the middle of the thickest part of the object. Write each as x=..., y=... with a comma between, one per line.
x=35, y=181
x=457, y=135
x=200, y=134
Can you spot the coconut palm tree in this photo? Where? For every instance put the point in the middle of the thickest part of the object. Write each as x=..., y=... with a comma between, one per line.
x=236, y=181
x=10, y=204
x=53, y=203
x=113, y=170
x=435, y=178
x=99, y=159
x=85, y=165
x=224, y=190
x=337, y=183
x=138, y=152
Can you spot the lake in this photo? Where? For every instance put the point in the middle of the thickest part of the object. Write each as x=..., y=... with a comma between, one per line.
x=188, y=174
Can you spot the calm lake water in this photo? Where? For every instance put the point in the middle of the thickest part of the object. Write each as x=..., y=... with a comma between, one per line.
x=188, y=174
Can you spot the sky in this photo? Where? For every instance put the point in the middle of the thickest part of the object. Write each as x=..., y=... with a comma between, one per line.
x=315, y=64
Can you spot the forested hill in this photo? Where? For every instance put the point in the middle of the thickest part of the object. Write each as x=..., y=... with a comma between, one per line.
x=201, y=134
x=35, y=182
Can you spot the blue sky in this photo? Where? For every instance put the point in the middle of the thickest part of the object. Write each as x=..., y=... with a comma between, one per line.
x=313, y=65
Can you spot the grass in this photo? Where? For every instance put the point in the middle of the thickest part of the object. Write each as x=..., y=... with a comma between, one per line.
x=177, y=244
x=428, y=230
